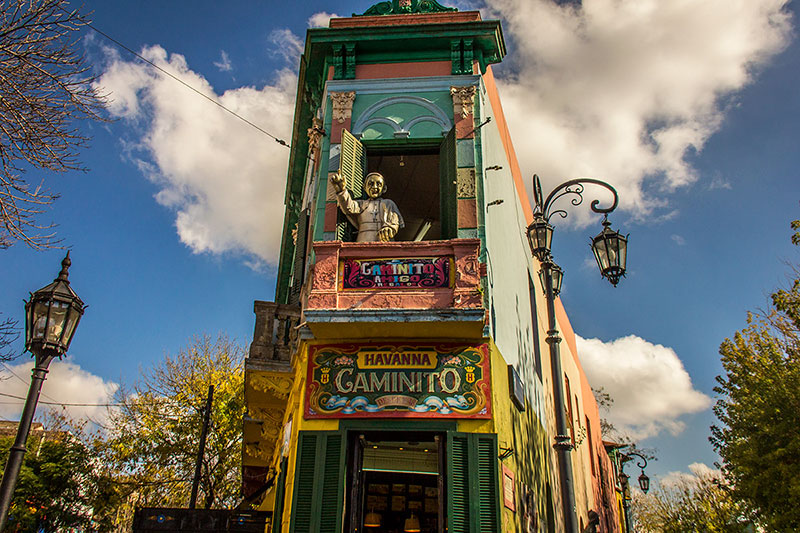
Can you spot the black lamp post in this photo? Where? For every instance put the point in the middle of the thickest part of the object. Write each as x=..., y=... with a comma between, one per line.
x=610, y=250
x=644, y=483
x=51, y=316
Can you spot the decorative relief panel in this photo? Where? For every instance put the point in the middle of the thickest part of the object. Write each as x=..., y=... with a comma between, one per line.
x=342, y=105
x=463, y=100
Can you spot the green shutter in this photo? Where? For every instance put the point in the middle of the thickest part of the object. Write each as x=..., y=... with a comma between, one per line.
x=447, y=187
x=352, y=162
x=488, y=484
x=299, y=257
x=280, y=492
x=319, y=481
x=458, y=492
x=473, y=488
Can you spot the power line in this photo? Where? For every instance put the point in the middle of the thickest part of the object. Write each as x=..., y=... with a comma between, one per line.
x=235, y=114
x=25, y=382
x=64, y=404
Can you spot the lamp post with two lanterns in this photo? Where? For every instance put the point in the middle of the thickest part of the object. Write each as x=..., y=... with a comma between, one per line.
x=51, y=316
x=644, y=483
x=610, y=251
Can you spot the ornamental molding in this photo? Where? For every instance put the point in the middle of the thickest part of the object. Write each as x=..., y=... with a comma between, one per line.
x=342, y=105
x=261, y=450
x=405, y=7
x=315, y=134
x=463, y=100
x=279, y=387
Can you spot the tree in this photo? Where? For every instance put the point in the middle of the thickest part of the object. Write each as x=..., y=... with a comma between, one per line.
x=699, y=502
x=152, y=439
x=759, y=435
x=60, y=486
x=46, y=86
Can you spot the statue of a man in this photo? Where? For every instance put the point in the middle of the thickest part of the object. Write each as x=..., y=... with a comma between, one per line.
x=377, y=219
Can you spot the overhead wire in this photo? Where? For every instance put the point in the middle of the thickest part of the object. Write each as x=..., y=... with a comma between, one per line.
x=167, y=73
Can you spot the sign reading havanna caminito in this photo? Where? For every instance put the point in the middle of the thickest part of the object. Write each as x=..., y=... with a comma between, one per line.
x=436, y=380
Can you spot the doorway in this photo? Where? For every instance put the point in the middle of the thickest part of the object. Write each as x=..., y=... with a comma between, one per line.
x=397, y=482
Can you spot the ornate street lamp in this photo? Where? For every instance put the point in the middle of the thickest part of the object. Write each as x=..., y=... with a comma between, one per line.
x=644, y=482
x=51, y=316
x=610, y=250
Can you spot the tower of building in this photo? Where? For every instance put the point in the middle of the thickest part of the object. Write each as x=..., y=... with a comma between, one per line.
x=400, y=381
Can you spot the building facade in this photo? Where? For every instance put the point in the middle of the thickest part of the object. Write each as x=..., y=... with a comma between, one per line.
x=405, y=385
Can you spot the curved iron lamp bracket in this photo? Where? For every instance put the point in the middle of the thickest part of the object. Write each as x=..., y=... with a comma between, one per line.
x=573, y=188
x=628, y=457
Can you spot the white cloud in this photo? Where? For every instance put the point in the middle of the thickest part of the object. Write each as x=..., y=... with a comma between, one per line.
x=648, y=383
x=224, y=64
x=696, y=471
x=623, y=90
x=66, y=383
x=224, y=179
x=321, y=19
x=680, y=241
x=286, y=45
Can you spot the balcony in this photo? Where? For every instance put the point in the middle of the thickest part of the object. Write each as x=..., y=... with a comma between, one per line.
x=268, y=382
x=368, y=289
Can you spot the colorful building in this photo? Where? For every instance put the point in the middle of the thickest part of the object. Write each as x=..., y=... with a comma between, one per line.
x=406, y=385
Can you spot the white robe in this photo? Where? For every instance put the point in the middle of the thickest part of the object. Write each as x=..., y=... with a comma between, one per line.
x=372, y=215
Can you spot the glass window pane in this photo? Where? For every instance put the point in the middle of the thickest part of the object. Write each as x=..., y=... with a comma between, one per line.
x=40, y=320
x=55, y=326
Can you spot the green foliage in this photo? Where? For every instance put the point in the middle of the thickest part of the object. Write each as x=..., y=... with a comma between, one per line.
x=694, y=503
x=759, y=439
x=60, y=486
x=152, y=440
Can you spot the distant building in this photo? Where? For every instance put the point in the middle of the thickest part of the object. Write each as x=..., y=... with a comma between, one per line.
x=408, y=382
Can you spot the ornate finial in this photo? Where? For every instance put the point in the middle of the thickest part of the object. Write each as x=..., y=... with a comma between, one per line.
x=405, y=7
x=65, y=264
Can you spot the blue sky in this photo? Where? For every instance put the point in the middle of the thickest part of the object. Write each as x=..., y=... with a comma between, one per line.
x=692, y=112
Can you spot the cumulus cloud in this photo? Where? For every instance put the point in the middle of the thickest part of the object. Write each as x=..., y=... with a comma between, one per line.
x=696, y=472
x=624, y=90
x=66, y=383
x=648, y=383
x=321, y=19
x=223, y=178
x=224, y=64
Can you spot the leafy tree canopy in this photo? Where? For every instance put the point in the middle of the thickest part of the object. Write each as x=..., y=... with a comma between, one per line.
x=59, y=487
x=759, y=435
x=152, y=439
x=698, y=502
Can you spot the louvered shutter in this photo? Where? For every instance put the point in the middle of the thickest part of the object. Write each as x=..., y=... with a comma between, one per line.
x=352, y=162
x=473, y=491
x=299, y=257
x=488, y=483
x=458, y=490
x=317, y=501
x=447, y=185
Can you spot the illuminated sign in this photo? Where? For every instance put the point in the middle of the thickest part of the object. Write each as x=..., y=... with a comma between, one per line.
x=439, y=380
x=407, y=273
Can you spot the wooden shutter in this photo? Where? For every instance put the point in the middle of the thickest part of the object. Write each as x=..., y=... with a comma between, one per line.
x=280, y=491
x=473, y=491
x=447, y=185
x=300, y=252
x=352, y=162
x=318, y=493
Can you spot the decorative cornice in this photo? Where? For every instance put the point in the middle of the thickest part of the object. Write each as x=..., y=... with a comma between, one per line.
x=342, y=105
x=405, y=7
x=463, y=100
x=279, y=387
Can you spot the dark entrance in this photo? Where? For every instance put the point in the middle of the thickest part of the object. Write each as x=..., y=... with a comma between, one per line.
x=396, y=481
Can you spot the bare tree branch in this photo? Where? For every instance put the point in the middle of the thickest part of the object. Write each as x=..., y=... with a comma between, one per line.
x=45, y=89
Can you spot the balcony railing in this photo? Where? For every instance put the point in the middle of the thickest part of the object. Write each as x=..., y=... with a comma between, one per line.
x=427, y=275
